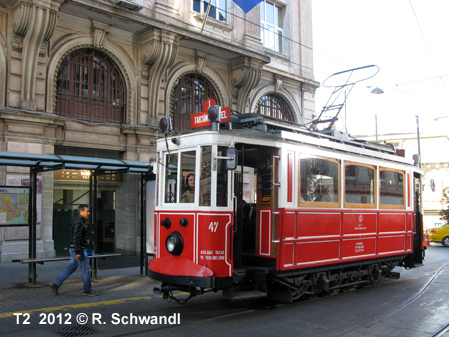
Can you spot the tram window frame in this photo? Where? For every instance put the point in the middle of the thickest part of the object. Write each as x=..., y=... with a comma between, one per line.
x=320, y=203
x=183, y=176
x=157, y=167
x=167, y=162
x=404, y=183
x=205, y=174
x=374, y=185
x=222, y=188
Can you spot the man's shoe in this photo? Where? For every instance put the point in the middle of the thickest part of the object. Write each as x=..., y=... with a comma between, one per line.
x=91, y=293
x=54, y=288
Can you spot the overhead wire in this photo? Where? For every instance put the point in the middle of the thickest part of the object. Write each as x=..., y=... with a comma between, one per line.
x=233, y=41
x=425, y=40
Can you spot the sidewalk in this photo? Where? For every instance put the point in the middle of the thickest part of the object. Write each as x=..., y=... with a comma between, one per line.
x=16, y=295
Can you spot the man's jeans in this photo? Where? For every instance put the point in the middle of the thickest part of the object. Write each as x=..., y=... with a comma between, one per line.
x=83, y=262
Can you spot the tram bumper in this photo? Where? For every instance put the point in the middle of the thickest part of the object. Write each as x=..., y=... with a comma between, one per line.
x=177, y=270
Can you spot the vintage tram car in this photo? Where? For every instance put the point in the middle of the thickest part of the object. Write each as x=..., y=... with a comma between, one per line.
x=278, y=211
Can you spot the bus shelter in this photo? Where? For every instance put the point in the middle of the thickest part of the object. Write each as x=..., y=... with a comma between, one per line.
x=39, y=163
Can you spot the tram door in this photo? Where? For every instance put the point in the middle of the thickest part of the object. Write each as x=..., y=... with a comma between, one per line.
x=253, y=189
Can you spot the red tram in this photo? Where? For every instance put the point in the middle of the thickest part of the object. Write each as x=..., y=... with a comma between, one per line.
x=267, y=208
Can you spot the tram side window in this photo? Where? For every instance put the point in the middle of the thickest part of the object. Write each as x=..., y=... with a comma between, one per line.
x=391, y=188
x=188, y=181
x=222, y=179
x=319, y=180
x=205, y=182
x=171, y=175
x=360, y=185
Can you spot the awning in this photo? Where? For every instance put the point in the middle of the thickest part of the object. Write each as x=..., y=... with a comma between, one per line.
x=45, y=162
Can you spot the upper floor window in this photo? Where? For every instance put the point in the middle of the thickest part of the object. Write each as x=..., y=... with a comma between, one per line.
x=275, y=106
x=90, y=87
x=188, y=97
x=271, y=25
x=217, y=8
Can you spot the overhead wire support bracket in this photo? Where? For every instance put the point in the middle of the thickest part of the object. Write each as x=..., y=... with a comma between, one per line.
x=342, y=81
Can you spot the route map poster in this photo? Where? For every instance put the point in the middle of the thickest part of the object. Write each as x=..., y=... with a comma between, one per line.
x=14, y=205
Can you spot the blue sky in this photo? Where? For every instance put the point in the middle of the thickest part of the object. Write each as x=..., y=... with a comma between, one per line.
x=408, y=40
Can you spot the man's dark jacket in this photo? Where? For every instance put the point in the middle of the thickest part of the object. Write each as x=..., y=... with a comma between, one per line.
x=78, y=234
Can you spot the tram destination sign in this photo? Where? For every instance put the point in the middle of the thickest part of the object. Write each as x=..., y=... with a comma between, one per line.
x=200, y=119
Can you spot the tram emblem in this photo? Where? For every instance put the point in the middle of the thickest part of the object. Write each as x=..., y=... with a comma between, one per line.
x=360, y=218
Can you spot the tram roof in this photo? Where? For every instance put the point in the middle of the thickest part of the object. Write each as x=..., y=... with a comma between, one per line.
x=273, y=124
x=48, y=162
x=264, y=128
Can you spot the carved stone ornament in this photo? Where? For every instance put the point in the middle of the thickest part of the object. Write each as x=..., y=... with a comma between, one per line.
x=99, y=33
x=200, y=62
x=35, y=23
x=249, y=72
x=277, y=85
x=159, y=49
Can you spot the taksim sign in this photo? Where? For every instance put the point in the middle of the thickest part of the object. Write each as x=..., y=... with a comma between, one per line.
x=200, y=119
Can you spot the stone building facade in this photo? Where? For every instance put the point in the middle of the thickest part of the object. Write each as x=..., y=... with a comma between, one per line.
x=92, y=78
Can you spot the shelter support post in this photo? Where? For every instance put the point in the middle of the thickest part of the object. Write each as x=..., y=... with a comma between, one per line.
x=32, y=231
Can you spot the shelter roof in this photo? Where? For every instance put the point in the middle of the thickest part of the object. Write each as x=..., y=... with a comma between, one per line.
x=46, y=162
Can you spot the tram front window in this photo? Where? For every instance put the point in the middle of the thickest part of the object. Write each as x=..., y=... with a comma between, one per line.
x=222, y=179
x=188, y=181
x=171, y=174
x=205, y=185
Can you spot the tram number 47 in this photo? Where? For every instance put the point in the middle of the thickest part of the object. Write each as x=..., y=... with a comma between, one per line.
x=213, y=227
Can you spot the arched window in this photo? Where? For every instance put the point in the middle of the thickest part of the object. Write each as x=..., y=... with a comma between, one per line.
x=187, y=98
x=90, y=87
x=275, y=106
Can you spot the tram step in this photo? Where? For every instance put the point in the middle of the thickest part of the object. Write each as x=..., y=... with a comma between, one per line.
x=242, y=295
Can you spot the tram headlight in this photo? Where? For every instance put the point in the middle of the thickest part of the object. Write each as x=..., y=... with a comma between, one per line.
x=165, y=124
x=214, y=114
x=174, y=243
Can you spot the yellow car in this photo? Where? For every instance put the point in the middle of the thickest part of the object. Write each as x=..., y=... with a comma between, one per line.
x=440, y=234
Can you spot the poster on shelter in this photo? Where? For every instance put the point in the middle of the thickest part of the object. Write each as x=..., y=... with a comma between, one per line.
x=14, y=180
x=14, y=205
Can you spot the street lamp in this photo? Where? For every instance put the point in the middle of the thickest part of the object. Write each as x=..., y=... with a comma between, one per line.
x=440, y=118
x=377, y=91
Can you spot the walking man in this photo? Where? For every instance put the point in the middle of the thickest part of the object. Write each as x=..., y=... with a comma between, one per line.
x=78, y=253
